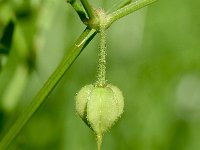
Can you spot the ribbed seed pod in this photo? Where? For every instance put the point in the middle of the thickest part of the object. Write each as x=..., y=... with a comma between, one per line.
x=99, y=107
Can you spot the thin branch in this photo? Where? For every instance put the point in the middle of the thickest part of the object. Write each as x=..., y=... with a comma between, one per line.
x=79, y=9
x=50, y=84
x=127, y=10
x=88, y=9
x=118, y=5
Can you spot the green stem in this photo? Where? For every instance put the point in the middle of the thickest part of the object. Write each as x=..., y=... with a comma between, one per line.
x=124, y=11
x=50, y=84
x=101, y=70
x=118, y=5
x=88, y=9
x=79, y=9
x=99, y=141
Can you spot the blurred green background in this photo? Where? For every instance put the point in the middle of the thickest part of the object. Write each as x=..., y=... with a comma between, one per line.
x=153, y=57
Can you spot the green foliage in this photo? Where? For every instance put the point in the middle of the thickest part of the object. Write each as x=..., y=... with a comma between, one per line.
x=153, y=56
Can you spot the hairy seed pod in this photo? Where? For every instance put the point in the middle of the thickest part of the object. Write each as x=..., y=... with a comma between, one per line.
x=99, y=107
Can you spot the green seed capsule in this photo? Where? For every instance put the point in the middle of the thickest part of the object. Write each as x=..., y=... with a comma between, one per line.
x=99, y=107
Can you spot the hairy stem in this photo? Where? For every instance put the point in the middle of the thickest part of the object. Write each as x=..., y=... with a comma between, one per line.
x=101, y=70
x=50, y=84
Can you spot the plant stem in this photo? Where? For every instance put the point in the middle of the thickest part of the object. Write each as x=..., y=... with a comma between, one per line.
x=79, y=9
x=101, y=70
x=50, y=84
x=118, y=5
x=88, y=9
x=99, y=141
x=124, y=11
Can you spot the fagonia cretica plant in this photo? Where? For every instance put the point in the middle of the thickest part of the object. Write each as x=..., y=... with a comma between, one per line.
x=100, y=104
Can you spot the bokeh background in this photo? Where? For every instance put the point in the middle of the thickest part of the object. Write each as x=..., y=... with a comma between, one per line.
x=153, y=57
